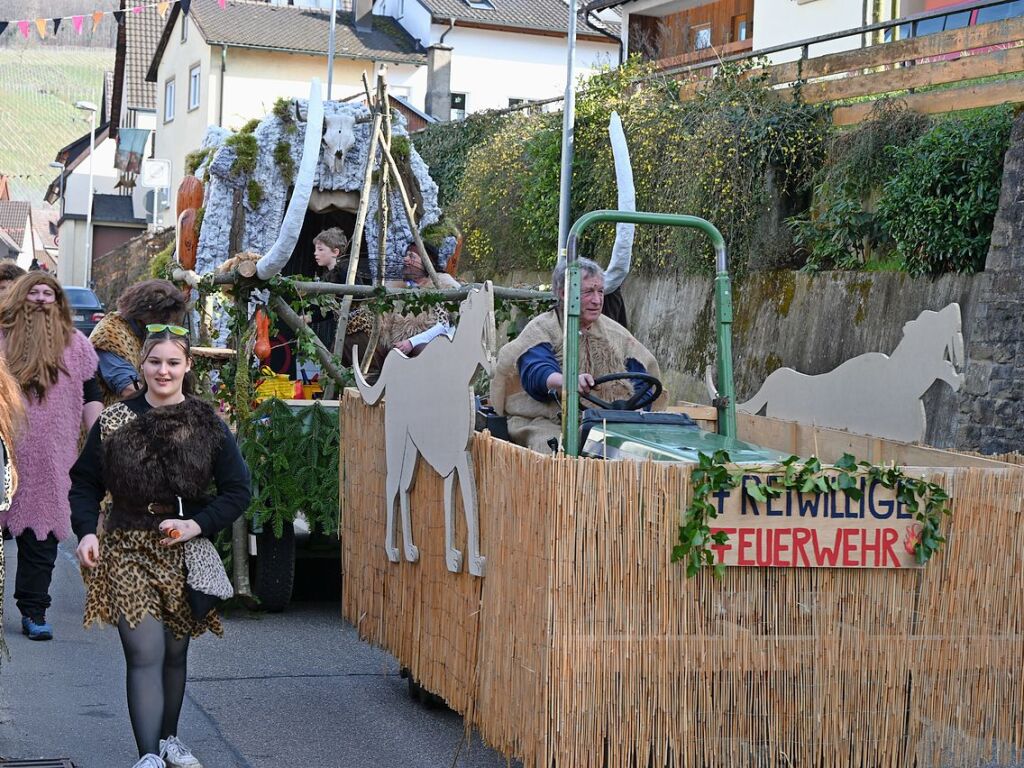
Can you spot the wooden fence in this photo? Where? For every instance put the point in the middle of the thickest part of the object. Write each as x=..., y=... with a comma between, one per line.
x=586, y=646
x=976, y=66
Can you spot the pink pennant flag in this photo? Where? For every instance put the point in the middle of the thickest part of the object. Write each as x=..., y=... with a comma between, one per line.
x=23, y=27
x=76, y=22
x=222, y=3
x=41, y=27
x=137, y=9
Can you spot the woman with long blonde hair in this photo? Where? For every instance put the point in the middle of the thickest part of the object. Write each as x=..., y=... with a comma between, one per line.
x=12, y=415
x=54, y=366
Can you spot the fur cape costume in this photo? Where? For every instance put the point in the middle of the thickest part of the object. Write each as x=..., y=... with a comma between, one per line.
x=113, y=334
x=396, y=327
x=163, y=453
x=47, y=446
x=604, y=349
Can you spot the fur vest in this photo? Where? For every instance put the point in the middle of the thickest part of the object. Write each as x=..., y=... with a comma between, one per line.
x=47, y=446
x=113, y=334
x=161, y=454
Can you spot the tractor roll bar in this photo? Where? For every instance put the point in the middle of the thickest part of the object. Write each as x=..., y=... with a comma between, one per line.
x=571, y=319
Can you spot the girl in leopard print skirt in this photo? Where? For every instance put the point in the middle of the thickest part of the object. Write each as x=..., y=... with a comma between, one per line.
x=157, y=454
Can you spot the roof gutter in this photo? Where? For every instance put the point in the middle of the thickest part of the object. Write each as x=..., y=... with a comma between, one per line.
x=451, y=26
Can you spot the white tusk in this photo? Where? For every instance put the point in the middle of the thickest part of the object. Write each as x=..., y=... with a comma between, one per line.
x=275, y=259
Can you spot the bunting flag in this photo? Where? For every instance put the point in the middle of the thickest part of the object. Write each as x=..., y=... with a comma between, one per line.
x=78, y=21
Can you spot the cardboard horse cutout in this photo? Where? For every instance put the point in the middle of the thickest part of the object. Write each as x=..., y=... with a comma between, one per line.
x=430, y=413
x=873, y=394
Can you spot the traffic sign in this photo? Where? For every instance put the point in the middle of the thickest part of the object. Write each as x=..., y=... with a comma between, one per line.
x=156, y=173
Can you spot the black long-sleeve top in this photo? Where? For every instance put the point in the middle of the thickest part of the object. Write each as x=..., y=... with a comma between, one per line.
x=231, y=477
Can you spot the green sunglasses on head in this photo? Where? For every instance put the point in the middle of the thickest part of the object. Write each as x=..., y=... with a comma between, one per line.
x=177, y=330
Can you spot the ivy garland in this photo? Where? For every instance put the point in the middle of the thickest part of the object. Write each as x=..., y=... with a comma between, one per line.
x=925, y=500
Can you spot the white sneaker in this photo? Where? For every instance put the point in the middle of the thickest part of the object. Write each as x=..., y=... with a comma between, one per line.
x=150, y=761
x=177, y=755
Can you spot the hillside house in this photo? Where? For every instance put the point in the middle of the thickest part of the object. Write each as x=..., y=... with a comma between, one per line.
x=681, y=32
x=225, y=66
x=494, y=54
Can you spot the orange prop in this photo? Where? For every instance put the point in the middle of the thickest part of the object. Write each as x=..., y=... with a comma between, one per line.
x=190, y=193
x=262, y=348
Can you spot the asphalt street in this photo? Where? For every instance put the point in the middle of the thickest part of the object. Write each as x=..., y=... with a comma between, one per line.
x=291, y=690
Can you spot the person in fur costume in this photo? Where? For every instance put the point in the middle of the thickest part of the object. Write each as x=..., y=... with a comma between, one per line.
x=410, y=333
x=118, y=337
x=157, y=454
x=530, y=367
x=12, y=415
x=55, y=367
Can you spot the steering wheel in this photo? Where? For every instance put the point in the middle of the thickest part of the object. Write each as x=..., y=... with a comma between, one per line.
x=639, y=400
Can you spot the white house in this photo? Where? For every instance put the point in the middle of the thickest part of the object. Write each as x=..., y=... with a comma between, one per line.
x=492, y=54
x=225, y=66
x=119, y=207
x=680, y=32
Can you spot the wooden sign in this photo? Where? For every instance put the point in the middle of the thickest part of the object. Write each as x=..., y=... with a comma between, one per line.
x=814, y=530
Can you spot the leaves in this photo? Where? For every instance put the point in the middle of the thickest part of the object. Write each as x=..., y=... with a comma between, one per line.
x=293, y=458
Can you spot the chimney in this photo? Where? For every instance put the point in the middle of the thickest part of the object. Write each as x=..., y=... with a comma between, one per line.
x=439, y=82
x=363, y=12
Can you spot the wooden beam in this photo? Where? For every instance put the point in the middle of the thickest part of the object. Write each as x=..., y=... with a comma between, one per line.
x=998, y=62
x=947, y=100
x=954, y=41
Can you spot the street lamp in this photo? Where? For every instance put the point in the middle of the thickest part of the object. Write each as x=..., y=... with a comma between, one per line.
x=88, y=106
x=60, y=167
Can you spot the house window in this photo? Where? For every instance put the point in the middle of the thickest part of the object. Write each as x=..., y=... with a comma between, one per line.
x=169, y=100
x=184, y=27
x=516, y=102
x=458, y=106
x=701, y=37
x=481, y=5
x=741, y=27
x=194, y=83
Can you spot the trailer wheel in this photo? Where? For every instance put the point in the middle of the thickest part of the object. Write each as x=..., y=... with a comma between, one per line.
x=273, y=568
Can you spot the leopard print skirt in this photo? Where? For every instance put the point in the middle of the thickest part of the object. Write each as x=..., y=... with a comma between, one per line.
x=138, y=576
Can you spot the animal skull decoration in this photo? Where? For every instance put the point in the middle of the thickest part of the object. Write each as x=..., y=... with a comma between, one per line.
x=339, y=136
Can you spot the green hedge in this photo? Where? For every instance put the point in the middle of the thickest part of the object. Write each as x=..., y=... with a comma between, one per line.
x=723, y=155
x=913, y=192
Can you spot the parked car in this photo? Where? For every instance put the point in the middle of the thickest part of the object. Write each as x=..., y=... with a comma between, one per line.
x=86, y=308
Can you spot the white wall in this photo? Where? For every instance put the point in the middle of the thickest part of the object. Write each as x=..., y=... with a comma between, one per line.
x=777, y=22
x=183, y=134
x=492, y=67
x=411, y=15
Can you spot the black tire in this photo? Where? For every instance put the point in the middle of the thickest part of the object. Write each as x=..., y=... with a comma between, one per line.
x=273, y=568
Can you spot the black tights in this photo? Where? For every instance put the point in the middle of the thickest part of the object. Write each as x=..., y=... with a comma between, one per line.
x=156, y=666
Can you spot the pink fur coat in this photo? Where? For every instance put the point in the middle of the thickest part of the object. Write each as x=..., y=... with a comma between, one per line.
x=48, y=446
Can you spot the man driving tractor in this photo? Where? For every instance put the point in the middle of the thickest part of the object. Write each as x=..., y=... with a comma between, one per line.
x=528, y=378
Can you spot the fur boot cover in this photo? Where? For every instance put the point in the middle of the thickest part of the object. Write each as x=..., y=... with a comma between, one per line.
x=47, y=447
x=165, y=452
